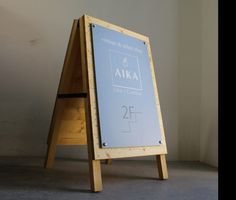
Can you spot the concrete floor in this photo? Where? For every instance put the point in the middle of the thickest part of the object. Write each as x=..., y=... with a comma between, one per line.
x=24, y=178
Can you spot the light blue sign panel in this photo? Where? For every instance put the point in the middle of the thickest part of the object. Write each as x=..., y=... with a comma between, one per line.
x=125, y=94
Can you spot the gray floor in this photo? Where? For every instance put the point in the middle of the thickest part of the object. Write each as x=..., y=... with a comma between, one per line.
x=24, y=178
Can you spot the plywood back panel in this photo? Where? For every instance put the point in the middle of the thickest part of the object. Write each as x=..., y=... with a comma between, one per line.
x=72, y=127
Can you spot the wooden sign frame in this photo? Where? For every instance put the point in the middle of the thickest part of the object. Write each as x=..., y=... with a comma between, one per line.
x=76, y=100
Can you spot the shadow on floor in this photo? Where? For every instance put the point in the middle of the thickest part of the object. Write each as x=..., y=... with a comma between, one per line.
x=69, y=179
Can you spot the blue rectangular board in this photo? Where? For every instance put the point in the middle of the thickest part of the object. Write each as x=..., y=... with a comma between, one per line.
x=127, y=112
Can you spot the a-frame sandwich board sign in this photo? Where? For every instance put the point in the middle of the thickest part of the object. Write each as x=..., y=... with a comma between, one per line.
x=107, y=98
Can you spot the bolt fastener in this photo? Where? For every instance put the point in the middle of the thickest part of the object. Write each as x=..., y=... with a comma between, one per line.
x=104, y=144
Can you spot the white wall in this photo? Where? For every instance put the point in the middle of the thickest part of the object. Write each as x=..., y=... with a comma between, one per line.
x=198, y=73
x=189, y=78
x=33, y=40
x=209, y=87
x=198, y=89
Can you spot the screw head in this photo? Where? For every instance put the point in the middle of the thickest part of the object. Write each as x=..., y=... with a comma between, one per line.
x=104, y=144
x=93, y=25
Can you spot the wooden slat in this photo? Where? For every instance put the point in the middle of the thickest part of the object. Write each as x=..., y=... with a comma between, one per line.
x=71, y=78
x=94, y=165
x=158, y=107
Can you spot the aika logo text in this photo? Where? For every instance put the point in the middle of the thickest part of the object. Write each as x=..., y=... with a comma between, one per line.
x=125, y=70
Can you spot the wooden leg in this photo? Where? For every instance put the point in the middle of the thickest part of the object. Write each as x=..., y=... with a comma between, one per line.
x=50, y=157
x=95, y=175
x=109, y=161
x=162, y=166
x=53, y=135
